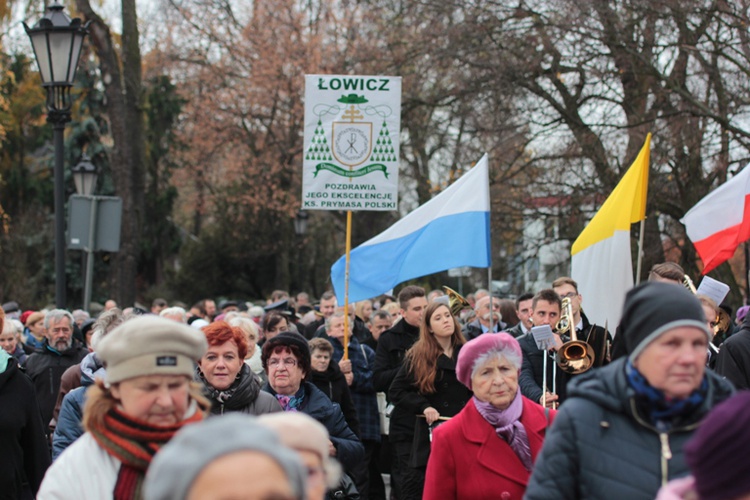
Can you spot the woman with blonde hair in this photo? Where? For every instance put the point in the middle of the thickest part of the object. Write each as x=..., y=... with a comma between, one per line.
x=424, y=393
x=146, y=397
x=363, y=310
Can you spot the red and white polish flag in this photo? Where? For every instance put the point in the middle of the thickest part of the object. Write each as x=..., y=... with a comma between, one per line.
x=720, y=221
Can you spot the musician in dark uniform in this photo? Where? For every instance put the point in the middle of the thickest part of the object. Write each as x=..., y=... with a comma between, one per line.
x=595, y=335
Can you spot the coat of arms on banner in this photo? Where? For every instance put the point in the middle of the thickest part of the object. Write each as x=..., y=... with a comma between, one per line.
x=360, y=140
x=351, y=142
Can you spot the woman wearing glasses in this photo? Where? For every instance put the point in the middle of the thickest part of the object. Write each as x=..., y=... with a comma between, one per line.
x=286, y=359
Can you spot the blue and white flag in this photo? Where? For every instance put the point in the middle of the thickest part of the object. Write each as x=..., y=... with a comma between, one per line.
x=451, y=230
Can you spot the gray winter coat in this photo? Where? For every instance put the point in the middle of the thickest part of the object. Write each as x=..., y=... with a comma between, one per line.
x=600, y=447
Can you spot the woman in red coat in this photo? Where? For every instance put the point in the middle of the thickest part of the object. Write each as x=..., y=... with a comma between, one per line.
x=487, y=451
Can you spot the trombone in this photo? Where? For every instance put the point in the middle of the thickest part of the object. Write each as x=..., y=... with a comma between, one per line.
x=574, y=356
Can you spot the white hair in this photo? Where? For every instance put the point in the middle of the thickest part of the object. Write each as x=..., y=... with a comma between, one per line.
x=245, y=324
x=495, y=353
x=174, y=311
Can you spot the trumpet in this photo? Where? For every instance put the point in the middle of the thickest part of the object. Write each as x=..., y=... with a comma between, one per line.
x=574, y=356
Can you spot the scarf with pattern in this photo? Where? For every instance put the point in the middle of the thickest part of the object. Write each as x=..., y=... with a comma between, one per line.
x=134, y=443
x=219, y=395
x=292, y=403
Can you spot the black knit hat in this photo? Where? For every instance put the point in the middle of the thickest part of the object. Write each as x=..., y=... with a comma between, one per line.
x=715, y=451
x=288, y=339
x=652, y=309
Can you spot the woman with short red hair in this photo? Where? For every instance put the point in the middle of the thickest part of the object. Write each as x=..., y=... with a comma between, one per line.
x=228, y=382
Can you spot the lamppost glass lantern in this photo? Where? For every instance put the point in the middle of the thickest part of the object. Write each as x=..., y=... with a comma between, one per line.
x=84, y=176
x=300, y=223
x=57, y=42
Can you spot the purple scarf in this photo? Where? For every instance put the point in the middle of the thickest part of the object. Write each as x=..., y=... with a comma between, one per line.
x=508, y=426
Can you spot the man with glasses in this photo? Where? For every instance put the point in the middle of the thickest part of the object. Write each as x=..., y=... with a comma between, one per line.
x=595, y=336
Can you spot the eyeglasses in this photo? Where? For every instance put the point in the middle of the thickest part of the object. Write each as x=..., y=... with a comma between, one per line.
x=568, y=295
x=275, y=362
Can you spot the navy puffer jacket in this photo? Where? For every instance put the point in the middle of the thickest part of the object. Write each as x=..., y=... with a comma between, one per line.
x=601, y=447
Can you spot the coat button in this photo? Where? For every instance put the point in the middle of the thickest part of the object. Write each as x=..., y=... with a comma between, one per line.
x=505, y=495
x=445, y=404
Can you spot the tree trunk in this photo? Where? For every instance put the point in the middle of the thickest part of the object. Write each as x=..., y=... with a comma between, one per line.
x=122, y=77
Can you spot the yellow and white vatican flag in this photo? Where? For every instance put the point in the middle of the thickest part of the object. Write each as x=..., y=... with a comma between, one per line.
x=601, y=259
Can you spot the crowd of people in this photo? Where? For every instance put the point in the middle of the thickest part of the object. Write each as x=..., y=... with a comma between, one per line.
x=421, y=395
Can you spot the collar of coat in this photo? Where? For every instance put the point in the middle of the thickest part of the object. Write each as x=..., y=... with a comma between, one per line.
x=496, y=454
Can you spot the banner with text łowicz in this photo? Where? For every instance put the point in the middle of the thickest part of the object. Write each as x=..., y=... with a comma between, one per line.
x=351, y=155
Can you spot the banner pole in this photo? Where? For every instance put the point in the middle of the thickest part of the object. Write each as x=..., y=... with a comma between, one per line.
x=640, y=253
x=346, y=282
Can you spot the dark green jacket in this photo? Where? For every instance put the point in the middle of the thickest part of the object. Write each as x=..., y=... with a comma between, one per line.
x=601, y=447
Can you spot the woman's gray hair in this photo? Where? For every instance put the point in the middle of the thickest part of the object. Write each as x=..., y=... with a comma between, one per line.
x=108, y=321
x=174, y=311
x=245, y=324
x=507, y=353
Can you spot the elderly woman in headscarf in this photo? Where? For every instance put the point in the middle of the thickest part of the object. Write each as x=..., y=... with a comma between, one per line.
x=622, y=431
x=228, y=381
x=147, y=395
x=487, y=451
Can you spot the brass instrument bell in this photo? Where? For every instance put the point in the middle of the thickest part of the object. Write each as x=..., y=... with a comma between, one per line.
x=456, y=303
x=574, y=356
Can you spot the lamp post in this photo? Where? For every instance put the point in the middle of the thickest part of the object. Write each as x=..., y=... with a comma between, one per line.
x=57, y=42
x=84, y=176
x=300, y=223
x=300, y=229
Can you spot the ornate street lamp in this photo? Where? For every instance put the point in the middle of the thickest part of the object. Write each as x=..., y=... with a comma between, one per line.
x=300, y=229
x=84, y=176
x=57, y=42
x=300, y=223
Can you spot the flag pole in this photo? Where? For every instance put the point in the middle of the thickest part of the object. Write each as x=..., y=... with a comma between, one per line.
x=489, y=268
x=346, y=282
x=640, y=253
x=489, y=287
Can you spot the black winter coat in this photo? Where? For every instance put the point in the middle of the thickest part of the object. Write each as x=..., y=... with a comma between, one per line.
x=600, y=446
x=449, y=399
x=332, y=383
x=349, y=449
x=516, y=330
x=532, y=371
x=733, y=360
x=389, y=356
x=473, y=329
x=24, y=453
x=45, y=368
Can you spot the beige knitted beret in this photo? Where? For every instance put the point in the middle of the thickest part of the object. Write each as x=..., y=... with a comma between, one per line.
x=150, y=345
